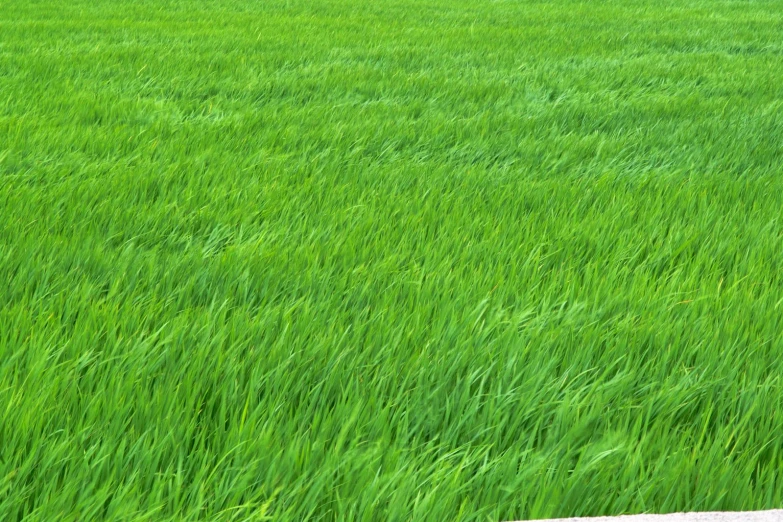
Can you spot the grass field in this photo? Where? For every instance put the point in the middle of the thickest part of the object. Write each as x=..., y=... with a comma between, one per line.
x=439, y=260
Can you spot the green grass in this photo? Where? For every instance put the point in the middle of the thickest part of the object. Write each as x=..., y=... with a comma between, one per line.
x=398, y=260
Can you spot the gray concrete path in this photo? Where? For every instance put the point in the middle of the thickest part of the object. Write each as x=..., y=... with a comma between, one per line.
x=775, y=515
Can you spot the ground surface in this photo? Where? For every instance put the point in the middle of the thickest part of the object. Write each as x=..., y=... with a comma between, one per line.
x=773, y=515
x=354, y=260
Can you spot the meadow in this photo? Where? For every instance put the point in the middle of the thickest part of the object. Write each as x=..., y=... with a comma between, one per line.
x=389, y=260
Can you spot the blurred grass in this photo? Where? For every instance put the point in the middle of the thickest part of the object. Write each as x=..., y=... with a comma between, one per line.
x=342, y=260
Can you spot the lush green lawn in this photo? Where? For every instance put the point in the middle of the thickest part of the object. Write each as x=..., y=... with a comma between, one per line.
x=389, y=260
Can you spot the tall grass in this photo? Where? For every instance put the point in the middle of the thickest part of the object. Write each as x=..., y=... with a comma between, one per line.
x=345, y=260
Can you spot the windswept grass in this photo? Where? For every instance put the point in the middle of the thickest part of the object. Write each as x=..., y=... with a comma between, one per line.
x=352, y=260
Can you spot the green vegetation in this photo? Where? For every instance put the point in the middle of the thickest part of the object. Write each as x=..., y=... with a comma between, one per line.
x=402, y=260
